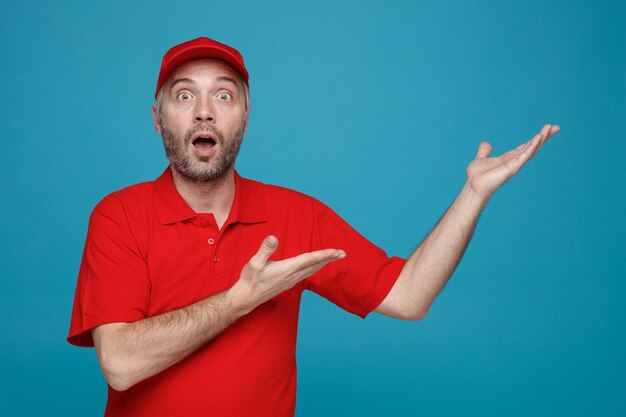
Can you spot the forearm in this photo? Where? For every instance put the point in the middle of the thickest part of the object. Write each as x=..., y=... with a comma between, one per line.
x=132, y=352
x=430, y=266
x=146, y=347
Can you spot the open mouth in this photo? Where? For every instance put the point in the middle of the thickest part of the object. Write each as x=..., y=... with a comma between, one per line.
x=204, y=142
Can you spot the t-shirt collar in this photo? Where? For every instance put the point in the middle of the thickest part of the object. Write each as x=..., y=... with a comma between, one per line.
x=248, y=206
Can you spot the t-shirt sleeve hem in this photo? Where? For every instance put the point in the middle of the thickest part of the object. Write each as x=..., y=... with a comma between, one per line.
x=81, y=337
x=392, y=272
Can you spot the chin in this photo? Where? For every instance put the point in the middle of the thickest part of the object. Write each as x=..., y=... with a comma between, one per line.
x=204, y=174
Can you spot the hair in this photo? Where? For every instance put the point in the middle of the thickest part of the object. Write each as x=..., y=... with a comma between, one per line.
x=159, y=100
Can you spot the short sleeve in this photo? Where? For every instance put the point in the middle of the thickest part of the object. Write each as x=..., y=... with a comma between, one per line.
x=113, y=283
x=359, y=282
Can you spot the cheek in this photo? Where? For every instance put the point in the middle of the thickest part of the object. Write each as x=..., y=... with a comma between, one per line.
x=235, y=119
x=175, y=122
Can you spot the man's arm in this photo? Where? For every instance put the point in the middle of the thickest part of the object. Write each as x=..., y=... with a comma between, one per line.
x=131, y=352
x=430, y=266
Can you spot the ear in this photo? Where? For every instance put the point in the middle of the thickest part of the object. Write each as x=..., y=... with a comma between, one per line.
x=247, y=117
x=155, y=119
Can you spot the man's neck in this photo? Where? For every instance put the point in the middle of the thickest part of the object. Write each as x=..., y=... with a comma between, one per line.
x=215, y=196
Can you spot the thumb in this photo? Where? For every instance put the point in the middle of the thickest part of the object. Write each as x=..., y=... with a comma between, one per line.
x=268, y=247
x=484, y=149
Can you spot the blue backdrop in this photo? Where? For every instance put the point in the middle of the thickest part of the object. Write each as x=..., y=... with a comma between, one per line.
x=376, y=108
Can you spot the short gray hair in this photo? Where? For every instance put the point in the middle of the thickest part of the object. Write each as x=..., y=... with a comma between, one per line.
x=159, y=101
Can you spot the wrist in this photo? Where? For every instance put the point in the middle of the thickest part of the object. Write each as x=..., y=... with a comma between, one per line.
x=238, y=299
x=471, y=199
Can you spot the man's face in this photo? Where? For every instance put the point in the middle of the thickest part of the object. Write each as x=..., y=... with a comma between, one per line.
x=202, y=118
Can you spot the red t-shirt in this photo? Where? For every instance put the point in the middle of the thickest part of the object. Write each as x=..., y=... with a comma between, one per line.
x=147, y=252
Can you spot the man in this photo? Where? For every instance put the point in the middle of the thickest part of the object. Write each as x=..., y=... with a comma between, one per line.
x=190, y=285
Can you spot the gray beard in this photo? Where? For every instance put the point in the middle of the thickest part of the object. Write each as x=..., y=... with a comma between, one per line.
x=180, y=160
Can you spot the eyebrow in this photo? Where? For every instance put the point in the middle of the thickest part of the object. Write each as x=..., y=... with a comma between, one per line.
x=181, y=80
x=190, y=81
x=228, y=79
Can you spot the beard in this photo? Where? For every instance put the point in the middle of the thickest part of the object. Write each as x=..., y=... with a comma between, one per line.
x=202, y=169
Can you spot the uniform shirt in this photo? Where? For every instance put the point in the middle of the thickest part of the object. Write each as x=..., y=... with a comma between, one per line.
x=147, y=252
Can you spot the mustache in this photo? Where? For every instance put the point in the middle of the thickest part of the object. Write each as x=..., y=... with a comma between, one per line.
x=204, y=128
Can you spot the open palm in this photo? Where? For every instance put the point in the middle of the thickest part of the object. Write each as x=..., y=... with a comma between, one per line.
x=485, y=175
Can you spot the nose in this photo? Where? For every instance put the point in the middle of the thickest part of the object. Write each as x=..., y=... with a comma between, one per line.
x=204, y=110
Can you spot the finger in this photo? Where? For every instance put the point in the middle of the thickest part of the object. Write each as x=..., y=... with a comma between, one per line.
x=484, y=149
x=545, y=130
x=550, y=132
x=529, y=151
x=268, y=247
x=514, y=164
x=515, y=153
x=312, y=259
x=307, y=271
x=524, y=146
x=553, y=130
x=544, y=134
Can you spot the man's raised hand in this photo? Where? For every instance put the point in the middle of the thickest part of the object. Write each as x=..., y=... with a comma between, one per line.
x=485, y=175
x=262, y=279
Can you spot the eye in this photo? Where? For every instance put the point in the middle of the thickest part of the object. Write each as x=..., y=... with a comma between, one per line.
x=184, y=96
x=225, y=96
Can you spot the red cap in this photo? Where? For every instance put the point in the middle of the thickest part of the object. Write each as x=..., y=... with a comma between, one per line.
x=199, y=48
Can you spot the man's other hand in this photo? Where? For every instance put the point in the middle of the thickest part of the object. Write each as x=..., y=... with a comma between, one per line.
x=262, y=279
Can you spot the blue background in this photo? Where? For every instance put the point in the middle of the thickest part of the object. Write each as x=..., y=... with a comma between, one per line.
x=375, y=108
